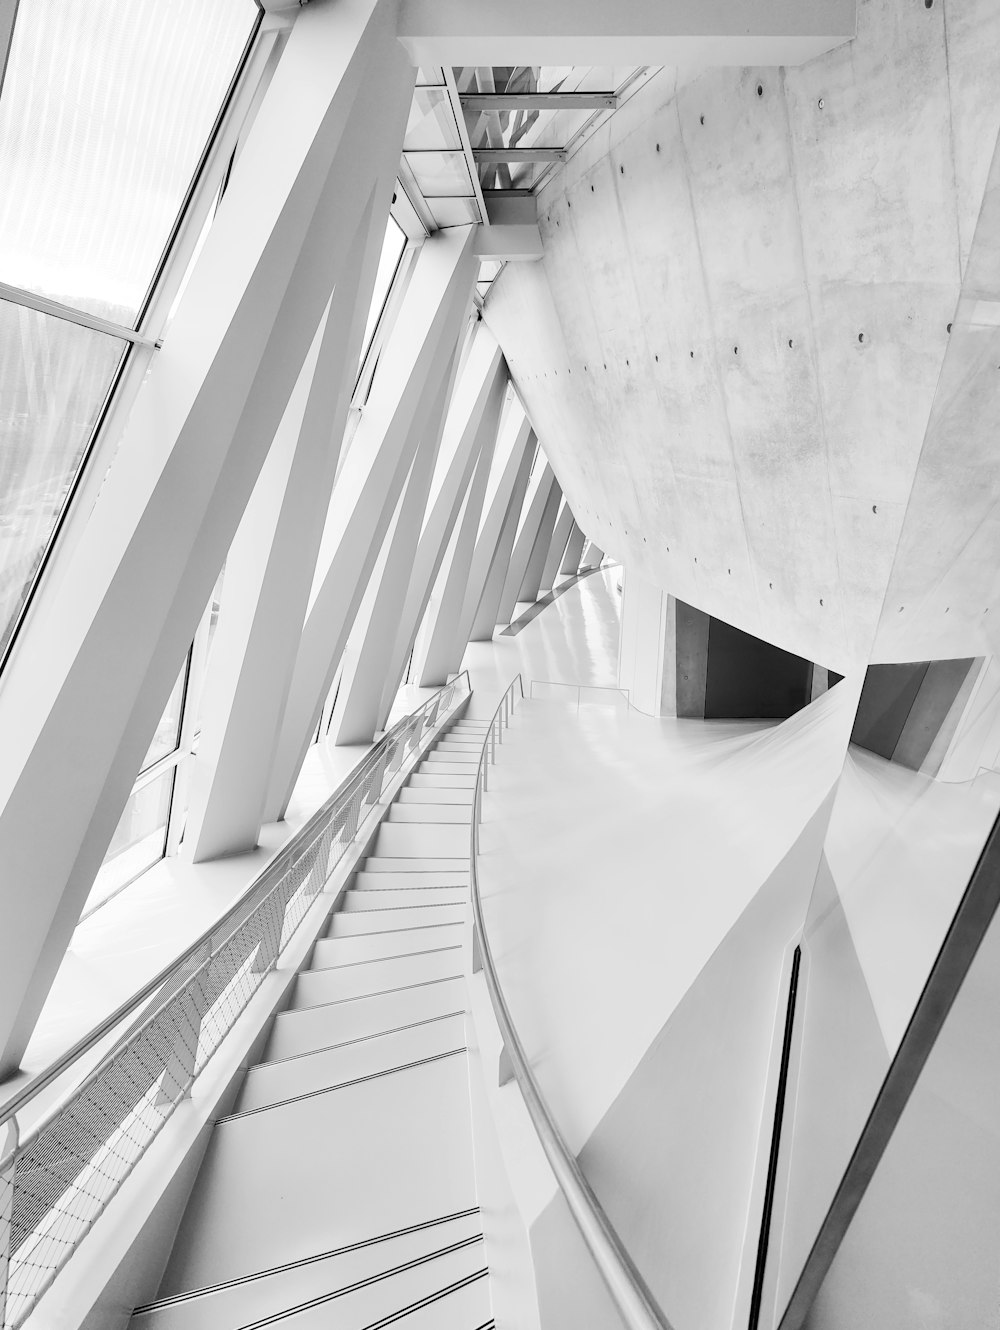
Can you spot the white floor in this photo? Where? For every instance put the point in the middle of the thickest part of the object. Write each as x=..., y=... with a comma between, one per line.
x=616, y=853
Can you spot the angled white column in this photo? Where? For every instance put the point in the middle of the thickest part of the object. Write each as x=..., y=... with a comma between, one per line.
x=270, y=568
x=472, y=420
x=593, y=556
x=528, y=590
x=557, y=547
x=414, y=364
x=75, y=729
x=442, y=645
x=570, y=565
x=373, y=635
x=485, y=618
x=539, y=487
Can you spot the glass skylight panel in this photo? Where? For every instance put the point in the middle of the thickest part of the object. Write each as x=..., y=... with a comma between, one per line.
x=440, y=174
x=432, y=122
x=454, y=212
x=54, y=378
x=106, y=109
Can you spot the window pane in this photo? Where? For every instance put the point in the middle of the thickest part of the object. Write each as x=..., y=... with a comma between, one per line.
x=107, y=106
x=168, y=732
x=440, y=174
x=431, y=123
x=54, y=377
x=453, y=212
x=139, y=840
x=392, y=249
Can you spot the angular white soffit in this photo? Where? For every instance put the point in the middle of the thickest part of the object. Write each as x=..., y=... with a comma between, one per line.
x=629, y=32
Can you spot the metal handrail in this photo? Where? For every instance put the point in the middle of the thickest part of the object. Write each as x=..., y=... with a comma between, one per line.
x=579, y=687
x=58, y=1180
x=42, y=1079
x=628, y=1289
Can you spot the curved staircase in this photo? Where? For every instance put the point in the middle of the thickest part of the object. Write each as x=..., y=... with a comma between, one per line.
x=340, y=1192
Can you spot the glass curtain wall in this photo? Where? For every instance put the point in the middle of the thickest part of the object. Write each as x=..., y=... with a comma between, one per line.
x=105, y=113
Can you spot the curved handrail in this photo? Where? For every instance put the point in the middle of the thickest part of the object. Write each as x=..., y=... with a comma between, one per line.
x=272, y=869
x=626, y=1285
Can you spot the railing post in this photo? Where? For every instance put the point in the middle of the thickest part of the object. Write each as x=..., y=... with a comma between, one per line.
x=8, y=1159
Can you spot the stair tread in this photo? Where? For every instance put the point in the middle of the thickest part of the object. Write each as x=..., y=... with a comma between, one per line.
x=387, y=864
x=357, y=922
x=404, y=898
x=345, y=982
x=269, y=1083
x=363, y=881
x=275, y=1289
x=280, y=1164
x=424, y=814
x=442, y=780
x=337, y=949
x=419, y=794
x=295, y=1032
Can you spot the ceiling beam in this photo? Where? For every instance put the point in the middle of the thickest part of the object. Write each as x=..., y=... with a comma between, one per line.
x=628, y=32
x=540, y=101
x=519, y=154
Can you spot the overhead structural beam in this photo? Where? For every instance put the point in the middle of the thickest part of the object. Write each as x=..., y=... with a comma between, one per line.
x=519, y=154
x=629, y=32
x=540, y=101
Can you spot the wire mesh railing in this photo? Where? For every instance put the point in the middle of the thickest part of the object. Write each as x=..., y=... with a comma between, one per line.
x=57, y=1181
x=629, y=1291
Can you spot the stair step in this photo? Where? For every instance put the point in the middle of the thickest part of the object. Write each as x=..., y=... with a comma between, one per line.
x=405, y=898
x=395, y=840
x=377, y=864
x=442, y=768
x=271, y=1082
x=441, y=780
x=272, y=1291
x=332, y=950
x=436, y=755
x=345, y=982
x=459, y=745
x=403, y=880
x=425, y=813
x=420, y=794
x=449, y=1293
x=360, y=922
x=298, y=1179
x=297, y=1032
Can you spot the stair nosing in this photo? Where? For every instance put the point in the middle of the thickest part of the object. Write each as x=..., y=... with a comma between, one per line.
x=360, y=997
x=175, y=1298
x=341, y=1085
x=375, y=960
x=360, y=1039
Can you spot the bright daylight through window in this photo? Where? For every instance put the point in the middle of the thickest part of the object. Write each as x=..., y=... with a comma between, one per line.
x=105, y=112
